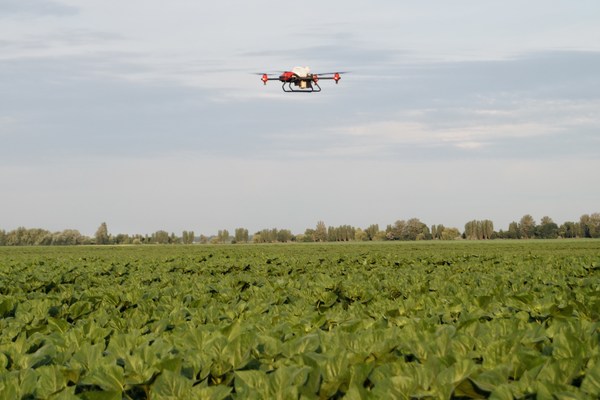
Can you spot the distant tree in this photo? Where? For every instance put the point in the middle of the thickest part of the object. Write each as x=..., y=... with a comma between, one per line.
x=309, y=235
x=471, y=230
x=271, y=235
x=450, y=234
x=547, y=229
x=413, y=229
x=479, y=229
x=590, y=225
x=321, y=232
x=341, y=233
x=380, y=236
x=241, y=235
x=27, y=237
x=121, y=238
x=16, y=237
x=223, y=236
x=437, y=231
x=513, y=231
x=284, y=236
x=487, y=227
x=138, y=239
x=396, y=231
x=416, y=230
x=568, y=230
x=257, y=238
x=371, y=231
x=360, y=235
x=160, y=237
x=527, y=227
x=595, y=225
x=68, y=237
x=203, y=239
x=102, y=234
x=187, y=237
x=2, y=237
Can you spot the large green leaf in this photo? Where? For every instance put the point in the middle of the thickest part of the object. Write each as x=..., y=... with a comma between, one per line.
x=591, y=381
x=87, y=357
x=490, y=380
x=67, y=393
x=51, y=380
x=171, y=385
x=109, y=377
x=251, y=382
x=397, y=387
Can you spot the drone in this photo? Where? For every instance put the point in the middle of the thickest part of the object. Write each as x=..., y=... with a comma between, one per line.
x=301, y=80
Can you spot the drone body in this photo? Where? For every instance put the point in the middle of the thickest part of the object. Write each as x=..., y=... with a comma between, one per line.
x=301, y=80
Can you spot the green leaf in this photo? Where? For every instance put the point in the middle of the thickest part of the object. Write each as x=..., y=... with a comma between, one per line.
x=457, y=372
x=396, y=387
x=237, y=351
x=87, y=357
x=591, y=382
x=3, y=362
x=467, y=389
x=58, y=324
x=490, y=380
x=561, y=371
x=108, y=377
x=303, y=344
x=50, y=380
x=285, y=382
x=67, y=393
x=79, y=309
x=9, y=387
x=250, y=382
x=210, y=392
x=502, y=392
x=170, y=385
x=18, y=384
x=567, y=345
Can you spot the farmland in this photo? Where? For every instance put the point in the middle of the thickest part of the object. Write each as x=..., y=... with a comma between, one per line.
x=433, y=320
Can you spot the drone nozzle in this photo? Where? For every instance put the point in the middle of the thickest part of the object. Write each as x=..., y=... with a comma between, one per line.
x=264, y=78
x=336, y=77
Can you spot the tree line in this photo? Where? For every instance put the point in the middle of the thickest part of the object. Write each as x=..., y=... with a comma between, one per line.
x=588, y=226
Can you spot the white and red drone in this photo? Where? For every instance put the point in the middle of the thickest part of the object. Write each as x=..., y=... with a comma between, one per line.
x=301, y=80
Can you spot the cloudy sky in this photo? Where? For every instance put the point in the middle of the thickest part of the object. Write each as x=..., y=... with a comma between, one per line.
x=144, y=113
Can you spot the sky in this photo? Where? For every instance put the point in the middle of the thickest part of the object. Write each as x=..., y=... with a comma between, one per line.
x=147, y=115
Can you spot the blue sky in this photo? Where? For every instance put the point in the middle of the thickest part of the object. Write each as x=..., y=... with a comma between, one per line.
x=145, y=114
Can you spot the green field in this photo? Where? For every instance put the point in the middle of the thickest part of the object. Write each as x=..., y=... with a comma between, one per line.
x=502, y=320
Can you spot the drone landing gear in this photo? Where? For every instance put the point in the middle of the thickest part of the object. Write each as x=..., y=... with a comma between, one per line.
x=310, y=88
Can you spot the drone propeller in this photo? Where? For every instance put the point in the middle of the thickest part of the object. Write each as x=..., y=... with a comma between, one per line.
x=268, y=73
x=332, y=73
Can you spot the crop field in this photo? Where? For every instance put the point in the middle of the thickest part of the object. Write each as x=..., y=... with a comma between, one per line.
x=469, y=320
